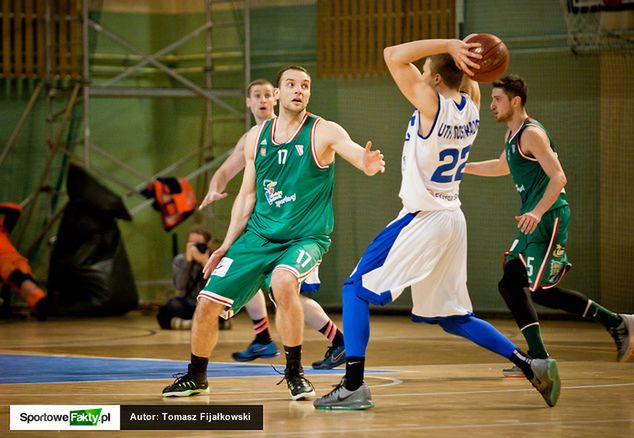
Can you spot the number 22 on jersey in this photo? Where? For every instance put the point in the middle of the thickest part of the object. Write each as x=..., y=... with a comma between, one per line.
x=451, y=170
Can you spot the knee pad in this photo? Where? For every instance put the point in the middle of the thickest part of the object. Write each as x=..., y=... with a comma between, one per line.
x=515, y=274
x=503, y=289
x=513, y=281
x=511, y=288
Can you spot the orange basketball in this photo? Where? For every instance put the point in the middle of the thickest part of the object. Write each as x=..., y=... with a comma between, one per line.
x=495, y=57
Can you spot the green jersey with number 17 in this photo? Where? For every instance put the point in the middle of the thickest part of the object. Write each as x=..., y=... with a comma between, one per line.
x=293, y=190
x=529, y=177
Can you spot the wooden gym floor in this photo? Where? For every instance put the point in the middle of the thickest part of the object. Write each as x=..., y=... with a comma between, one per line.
x=439, y=385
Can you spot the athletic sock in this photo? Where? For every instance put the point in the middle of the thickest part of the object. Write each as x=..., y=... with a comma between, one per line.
x=332, y=333
x=354, y=372
x=523, y=361
x=533, y=336
x=199, y=365
x=293, y=359
x=262, y=333
x=596, y=312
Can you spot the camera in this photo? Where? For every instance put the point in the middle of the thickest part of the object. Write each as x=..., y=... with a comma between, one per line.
x=201, y=247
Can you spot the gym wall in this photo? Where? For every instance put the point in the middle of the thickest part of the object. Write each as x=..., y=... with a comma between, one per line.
x=583, y=99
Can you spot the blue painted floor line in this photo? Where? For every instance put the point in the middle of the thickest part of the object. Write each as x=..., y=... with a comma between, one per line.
x=22, y=368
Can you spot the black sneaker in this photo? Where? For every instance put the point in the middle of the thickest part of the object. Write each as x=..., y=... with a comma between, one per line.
x=187, y=384
x=299, y=387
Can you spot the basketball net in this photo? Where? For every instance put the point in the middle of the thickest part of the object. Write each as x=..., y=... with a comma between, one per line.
x=589, y=28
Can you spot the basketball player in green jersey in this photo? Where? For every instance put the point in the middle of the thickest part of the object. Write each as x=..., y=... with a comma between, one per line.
x=261, y=101
x=537, y=258
x=280, y=226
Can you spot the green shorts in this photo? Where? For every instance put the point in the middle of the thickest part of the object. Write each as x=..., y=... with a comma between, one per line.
x=543, y=252
x=251, y=259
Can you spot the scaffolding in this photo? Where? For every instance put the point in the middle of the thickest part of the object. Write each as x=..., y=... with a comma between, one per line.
x=49, y=43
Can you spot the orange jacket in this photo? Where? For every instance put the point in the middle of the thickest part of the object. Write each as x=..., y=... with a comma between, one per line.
x=10, y=259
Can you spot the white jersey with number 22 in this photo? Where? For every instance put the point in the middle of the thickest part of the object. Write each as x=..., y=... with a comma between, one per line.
x=432, y=165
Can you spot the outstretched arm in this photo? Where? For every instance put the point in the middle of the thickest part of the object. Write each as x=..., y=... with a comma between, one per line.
x=225, y=173
x=535, y=142
x=242, y=207
x=497, y=167
x=333, y=139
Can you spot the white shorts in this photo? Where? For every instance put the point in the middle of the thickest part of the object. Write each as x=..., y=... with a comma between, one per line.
x=425, y=250
x=312, y=283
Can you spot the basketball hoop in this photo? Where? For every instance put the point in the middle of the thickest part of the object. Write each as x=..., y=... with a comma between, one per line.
x=599, y=24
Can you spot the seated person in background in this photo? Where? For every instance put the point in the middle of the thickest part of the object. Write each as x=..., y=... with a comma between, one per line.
x=15, y=270
x=187, y=277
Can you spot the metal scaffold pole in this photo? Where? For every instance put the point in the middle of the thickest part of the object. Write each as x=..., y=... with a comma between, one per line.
x=86, y=83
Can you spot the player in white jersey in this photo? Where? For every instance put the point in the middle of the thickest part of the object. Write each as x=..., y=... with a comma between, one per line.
x=432, y=164
x=425, y=247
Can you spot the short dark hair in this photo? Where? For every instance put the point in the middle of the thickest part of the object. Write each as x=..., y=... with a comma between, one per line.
x=257, y=82
x=444, y=65
x=199, y=229
x=513, y=85
x=290, y=67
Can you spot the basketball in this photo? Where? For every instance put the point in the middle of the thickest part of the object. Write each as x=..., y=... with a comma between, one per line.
x=495, y=57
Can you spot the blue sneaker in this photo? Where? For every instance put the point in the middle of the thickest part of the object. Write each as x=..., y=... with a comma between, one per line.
x=334, y=357
x=256, y=351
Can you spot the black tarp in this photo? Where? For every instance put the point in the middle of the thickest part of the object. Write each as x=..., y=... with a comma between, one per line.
x=89, y=271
